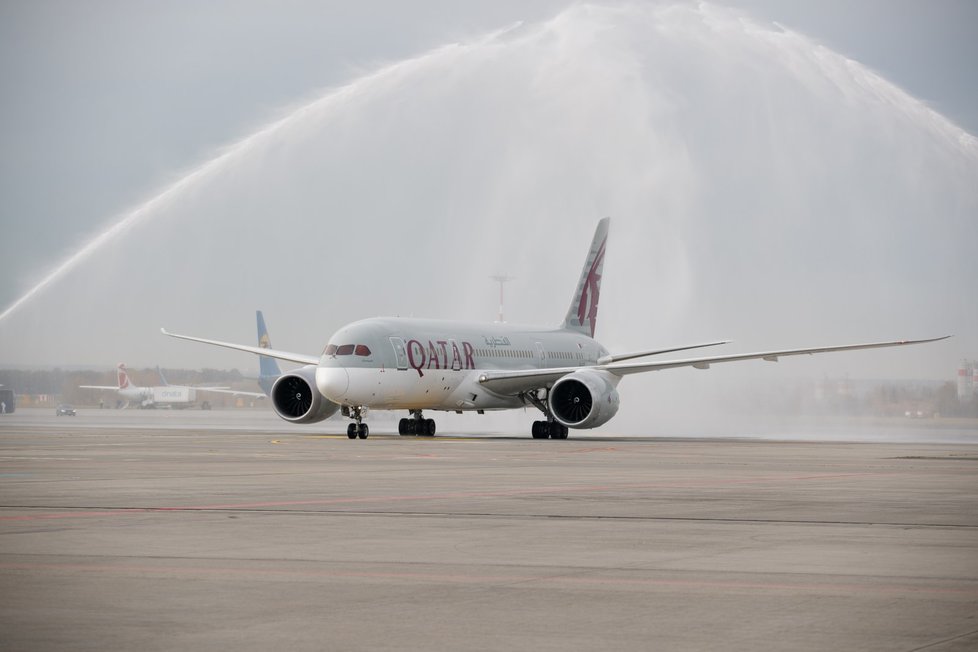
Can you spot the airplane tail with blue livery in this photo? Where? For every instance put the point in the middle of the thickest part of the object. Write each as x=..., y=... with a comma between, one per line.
x=268, y=369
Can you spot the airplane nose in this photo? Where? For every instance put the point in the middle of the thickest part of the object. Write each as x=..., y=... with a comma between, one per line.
x=332, y=382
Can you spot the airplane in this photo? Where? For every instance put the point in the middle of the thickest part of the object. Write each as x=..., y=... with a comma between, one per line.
x=164, y=395
x=419, y=364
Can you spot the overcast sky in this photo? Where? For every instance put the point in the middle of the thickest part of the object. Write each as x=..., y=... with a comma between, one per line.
x=108, y=103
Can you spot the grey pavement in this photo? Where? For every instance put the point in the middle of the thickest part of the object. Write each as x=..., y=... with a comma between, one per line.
x=230, y=530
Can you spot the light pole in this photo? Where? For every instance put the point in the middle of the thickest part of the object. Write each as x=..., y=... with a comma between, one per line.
x=501, y=279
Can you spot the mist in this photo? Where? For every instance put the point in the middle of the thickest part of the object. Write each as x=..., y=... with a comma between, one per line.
x=762, y=188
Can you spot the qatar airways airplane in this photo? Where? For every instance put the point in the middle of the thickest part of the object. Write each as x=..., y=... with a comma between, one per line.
x=418, y=364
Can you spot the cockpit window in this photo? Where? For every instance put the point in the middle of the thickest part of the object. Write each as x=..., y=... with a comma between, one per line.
x=361, y=350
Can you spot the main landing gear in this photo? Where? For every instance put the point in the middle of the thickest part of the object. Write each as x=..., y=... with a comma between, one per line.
x=548, y=430
x=416, y=425
x=358, y=429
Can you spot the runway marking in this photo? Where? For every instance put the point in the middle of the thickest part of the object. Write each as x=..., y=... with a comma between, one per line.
x=506, y=493
x=594, y=580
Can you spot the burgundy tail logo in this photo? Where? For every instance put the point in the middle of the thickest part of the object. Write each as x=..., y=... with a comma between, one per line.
x=588, y=308
x=123, y=377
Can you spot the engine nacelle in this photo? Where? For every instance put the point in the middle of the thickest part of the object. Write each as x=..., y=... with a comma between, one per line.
x=584, y=399
x=296, y=399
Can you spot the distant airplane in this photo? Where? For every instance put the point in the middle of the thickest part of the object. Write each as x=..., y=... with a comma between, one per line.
x=418, y=364
x=164, y=395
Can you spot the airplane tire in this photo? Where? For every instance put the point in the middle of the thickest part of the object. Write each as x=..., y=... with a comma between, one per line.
x=351, y=431
x=429, y=427
x=363, y=431
x=404, y=427
x=538, y=430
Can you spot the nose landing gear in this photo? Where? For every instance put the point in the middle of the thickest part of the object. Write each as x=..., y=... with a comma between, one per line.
x=358, y=429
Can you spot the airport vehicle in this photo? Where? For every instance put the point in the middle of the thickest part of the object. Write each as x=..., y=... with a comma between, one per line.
x=417, y=364
x=165, y=395
x=8, y=402
x=64, y=410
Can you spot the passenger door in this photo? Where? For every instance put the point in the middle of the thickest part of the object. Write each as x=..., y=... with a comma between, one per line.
x=400, y=353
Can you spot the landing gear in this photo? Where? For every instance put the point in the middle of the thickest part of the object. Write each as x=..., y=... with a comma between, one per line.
x=537, y=431
x=355, y=430
x=416, y=425
x=358, y=429
x=548, y=430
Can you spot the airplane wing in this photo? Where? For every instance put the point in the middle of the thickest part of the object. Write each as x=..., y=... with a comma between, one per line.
x=257, y=350
x=513, y=382
x=233, y=392
x=112, y=387
x=618, y=357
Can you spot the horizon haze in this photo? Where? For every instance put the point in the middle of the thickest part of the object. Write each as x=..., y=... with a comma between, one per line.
x=763, y=187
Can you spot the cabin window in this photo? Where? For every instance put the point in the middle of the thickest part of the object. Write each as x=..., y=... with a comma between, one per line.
x=362, y=350
x=330, y=349
x=344, y=349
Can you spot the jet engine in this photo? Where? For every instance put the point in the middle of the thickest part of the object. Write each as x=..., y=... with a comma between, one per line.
x=584, y=399
x=296, y=399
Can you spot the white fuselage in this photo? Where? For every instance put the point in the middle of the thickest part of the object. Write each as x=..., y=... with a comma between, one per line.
x=393, y=363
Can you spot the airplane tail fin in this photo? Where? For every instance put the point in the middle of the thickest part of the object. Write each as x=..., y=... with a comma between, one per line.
x=583, y=311
x=159, y=372
x=268, y=367
x=123, y=376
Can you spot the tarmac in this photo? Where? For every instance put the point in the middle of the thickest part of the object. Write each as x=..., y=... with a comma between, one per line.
x=125, y=530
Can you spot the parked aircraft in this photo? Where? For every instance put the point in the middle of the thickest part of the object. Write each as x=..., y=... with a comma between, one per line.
x=164, y=395
x=418, y=364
